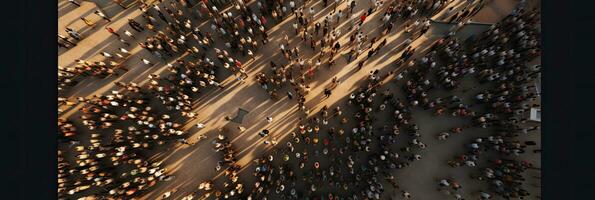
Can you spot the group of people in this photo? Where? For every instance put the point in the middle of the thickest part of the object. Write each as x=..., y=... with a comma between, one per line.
x=497, y=61
x=343, y=150
x=323, y=38
x=125, y=124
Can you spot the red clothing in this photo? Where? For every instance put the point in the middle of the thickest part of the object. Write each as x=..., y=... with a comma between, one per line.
x=204, y=9
x=363, y=17
x=241, y=23
x=110, y=30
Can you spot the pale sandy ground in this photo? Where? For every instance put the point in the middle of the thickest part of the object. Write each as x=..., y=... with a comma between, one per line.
x=193, y=164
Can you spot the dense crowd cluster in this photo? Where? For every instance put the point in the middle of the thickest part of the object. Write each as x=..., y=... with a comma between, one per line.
x=349, y=150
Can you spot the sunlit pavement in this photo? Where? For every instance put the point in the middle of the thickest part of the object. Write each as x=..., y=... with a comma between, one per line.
x=193, y=164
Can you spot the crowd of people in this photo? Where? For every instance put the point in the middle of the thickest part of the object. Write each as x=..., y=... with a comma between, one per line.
x=323, y=36
x=126, y=125
x=340, y=152
x=497, y=60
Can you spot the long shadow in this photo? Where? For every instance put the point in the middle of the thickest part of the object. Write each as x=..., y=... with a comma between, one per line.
x=65, y=7
x=111, y=9
x=62, y=50
x=85, y=14
x=263, y=111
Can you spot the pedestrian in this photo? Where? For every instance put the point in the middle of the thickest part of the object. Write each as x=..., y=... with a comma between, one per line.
x=360, y=65
x=111, y=30
x=135, y=25
x=289, y=95
x=146, y=62
x=250, y=54
x=129, y=34
x=263, y=133
x=75, y=3
x=363, y=18
x=62, y=44
x=119, y=2
x=269, y=119
x=102, y=15
x=74, y=34
x=350, y=55
x=327, y=92
x=89, y=23
x=241, y=128
x=124, y=51
x=65, y=39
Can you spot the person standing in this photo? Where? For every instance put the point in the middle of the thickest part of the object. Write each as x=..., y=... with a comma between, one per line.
x=111, y=30
x=102, y=15
x=351, y=6
x=119, y=2
x=62, y=44
x=88, y=22
x=74, y=34
x=65, y=40
x=75, y=3
x=327, y=92
x=264, y=133
x=336, y=5
x=135, y=25
x=129, y=34
x=147, y=62
x=360, y=65
x=251, y=54
x=124, y=51
x=363, y=18
x=241, y=128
